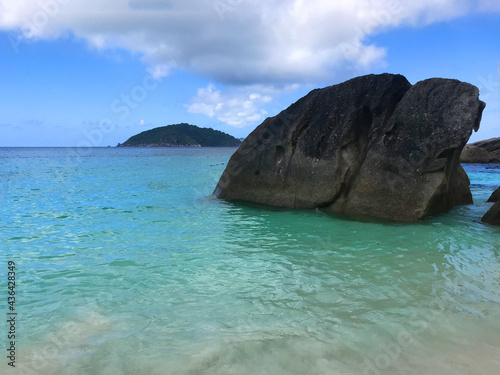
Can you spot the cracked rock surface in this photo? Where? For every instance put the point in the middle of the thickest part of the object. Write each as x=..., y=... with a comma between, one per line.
x=374, y=145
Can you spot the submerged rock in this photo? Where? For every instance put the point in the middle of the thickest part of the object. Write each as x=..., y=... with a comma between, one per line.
x=493, y=215
x=495, y=197
x=487, y=151
x=374, y=145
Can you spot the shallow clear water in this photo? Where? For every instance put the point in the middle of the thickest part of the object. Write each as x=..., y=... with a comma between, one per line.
x=126, y=266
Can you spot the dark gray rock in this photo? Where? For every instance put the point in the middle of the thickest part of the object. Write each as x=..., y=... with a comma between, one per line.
x=495, y=197
x=373, y=145
x=412, y=171
x=490, y=145
x=474, y=154
x=305, y=156
x=487, y=151
x=493, y=215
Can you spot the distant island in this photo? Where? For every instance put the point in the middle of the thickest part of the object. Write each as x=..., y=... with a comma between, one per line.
x=181, y=135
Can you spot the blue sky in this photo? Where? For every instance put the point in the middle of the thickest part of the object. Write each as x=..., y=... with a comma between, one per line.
x=74, y=77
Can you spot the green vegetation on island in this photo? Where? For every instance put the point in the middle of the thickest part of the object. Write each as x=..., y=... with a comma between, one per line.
x=181, y=135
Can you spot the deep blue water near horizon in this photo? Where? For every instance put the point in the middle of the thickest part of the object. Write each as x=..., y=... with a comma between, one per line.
x=125, y=265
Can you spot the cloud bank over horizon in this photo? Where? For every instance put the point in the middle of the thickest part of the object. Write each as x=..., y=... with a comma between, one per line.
x=251, y=51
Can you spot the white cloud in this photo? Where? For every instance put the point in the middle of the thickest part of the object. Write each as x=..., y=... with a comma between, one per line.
x=158, y=71
x=246, y=43
x=234, y=41
x=237, y=107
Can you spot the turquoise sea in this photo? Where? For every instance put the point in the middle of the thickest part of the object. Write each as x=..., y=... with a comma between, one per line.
x=125, y=265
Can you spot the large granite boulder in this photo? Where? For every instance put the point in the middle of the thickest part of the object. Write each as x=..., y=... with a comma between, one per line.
x=374, y=145
x=495, y=197
x=493, y=215
x=487, y=151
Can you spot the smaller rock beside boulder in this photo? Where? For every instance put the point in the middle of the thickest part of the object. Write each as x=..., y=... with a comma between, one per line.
x=493, y=215
x=495, y=197
x=487, y=151
x=473, y=154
